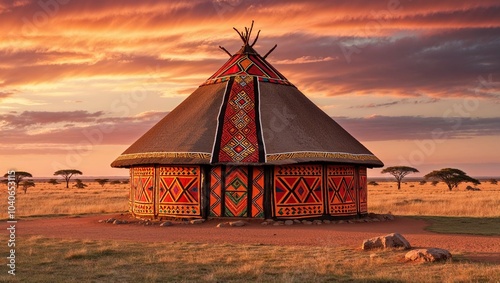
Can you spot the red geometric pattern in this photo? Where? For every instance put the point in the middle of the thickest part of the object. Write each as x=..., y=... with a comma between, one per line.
x=247, y=65
x=363, y=191
x=239, y=141
x=298, y=191
x=342, y=195
x=216, y=191
x=258, y=192
x=236, y=193
x=179, y=191
x=142, y=190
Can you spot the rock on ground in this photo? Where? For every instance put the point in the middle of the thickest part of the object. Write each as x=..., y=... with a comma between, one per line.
x=222, y=224
x=166, y=223
x=393, y=240
x=238, y=223
x=431, y=255
x=197, y=221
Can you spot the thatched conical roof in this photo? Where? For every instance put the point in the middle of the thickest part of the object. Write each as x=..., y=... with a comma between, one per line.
x=246, y=113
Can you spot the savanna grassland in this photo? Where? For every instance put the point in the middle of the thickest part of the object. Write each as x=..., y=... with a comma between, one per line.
x=41, y=259
x=413, y=200
x=65, y=260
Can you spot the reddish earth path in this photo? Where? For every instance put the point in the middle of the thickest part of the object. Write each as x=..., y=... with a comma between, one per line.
x=484, y=248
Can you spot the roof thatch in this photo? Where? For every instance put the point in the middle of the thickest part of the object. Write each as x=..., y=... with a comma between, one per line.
x=246, y=113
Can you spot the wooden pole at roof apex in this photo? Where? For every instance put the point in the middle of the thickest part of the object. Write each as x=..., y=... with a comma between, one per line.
x=245, y=37
x=225, y=50
x=269, y=52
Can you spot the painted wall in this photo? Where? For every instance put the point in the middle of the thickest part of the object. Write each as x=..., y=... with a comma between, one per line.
x=295, y=191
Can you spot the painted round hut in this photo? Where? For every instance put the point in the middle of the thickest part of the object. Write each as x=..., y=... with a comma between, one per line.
x=247, y=143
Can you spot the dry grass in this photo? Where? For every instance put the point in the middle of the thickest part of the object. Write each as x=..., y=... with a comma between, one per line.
x=45, y=199
x=419, y=200
x=434, y=201
x=51, y=260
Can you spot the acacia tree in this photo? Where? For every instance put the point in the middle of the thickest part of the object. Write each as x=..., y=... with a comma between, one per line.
x=26, y=184
x=452, y=177
x=53, y=182
x=399, y=172
x=79, y=184
x=102, y=182
x=19, y=176
x=67, y=174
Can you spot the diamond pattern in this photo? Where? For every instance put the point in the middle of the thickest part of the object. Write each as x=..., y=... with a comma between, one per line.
x=341, y=190
x=238, y=140
x=298, y=191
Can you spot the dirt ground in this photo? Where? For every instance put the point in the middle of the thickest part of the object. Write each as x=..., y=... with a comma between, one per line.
x=477, y=248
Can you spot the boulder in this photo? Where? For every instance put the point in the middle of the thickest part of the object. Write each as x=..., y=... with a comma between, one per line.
x=289, y=222
x=430, y=255
x=393, y=240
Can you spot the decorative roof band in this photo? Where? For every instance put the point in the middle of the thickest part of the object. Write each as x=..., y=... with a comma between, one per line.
x=318, y=154
x=197, y=155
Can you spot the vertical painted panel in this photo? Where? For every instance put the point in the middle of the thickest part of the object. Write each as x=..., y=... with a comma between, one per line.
x=216, y=191
x=342, y=194
x=298, y=191
x=143, y=189
x=363, y=191
x=258, y=192
x=236, y=191
x=179, y=191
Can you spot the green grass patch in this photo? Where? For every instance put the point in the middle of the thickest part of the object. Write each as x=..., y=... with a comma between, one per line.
x=486, y=226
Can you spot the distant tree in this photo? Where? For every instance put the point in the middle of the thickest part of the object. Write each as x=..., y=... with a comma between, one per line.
x=423, y=182
x=493, y=181
x=79, y=184
x=399, y=172
x=102, y=182
x=434, y=183
x=126, y=181
x=53, y=182
x=452, y=177
x=373, y=183
x=67, y=174
x=19, y=176
x=26, y=184
x=115, y=182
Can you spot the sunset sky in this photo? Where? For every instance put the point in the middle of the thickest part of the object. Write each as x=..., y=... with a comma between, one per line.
x=417, y=82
